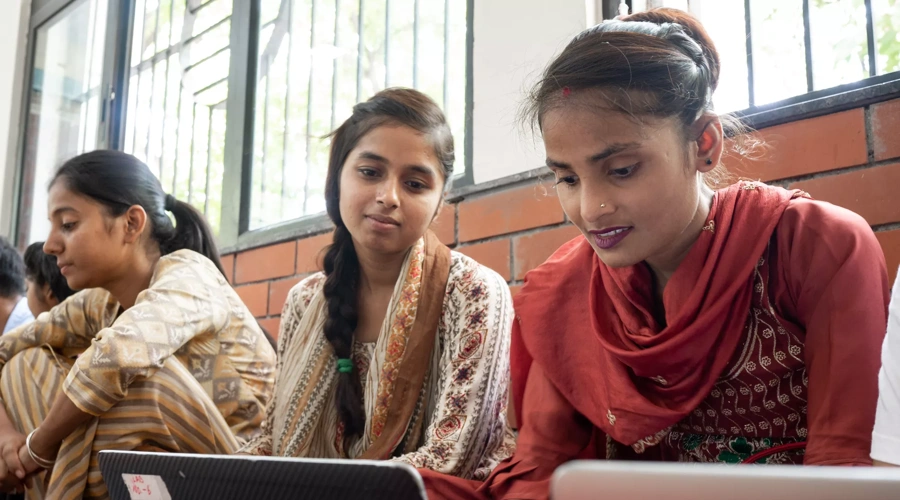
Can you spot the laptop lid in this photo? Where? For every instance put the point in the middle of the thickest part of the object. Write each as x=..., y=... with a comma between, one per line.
x=676, y=481
x=164, y=476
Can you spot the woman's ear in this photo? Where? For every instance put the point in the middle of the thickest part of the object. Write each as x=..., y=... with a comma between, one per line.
x=135, y=223
x=710, y=141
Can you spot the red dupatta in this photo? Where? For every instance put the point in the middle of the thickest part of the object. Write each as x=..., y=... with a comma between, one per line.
x=591, y=327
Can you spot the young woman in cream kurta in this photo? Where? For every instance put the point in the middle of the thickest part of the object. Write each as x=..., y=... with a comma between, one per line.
x=400, y=349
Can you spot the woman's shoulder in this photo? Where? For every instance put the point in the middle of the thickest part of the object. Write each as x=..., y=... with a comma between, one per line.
x=471, y=278
x=816, y=240
x=303, y=292
x=826, y=225
x=186, y=263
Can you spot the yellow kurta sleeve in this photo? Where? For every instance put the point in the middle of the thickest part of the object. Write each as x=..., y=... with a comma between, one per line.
x=183, y=301
x=69, y=327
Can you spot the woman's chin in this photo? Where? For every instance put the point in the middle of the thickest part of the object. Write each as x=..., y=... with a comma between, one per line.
x=615, y=258
x=76, y=283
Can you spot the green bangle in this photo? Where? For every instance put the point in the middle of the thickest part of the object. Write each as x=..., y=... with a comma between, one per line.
x=345, y=365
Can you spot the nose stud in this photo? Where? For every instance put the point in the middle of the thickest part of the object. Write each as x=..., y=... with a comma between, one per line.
x=603, y=205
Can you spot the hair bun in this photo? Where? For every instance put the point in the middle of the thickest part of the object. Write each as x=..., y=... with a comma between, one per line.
x=170, y=202
x=692, y=28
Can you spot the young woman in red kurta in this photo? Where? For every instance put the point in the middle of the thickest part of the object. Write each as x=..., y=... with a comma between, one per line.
x=741, y=324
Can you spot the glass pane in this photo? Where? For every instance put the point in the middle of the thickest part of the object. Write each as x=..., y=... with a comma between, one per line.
x=64, y=103
x=724, y=21
x=779, y=57
x=149, y=18
x=206, y=17
x=372, y=58
x=312, y=72
x=138, y=34
x=886, y=21
x=839, y=43
x=400, y=43
x=175, y=118
x=454, y=67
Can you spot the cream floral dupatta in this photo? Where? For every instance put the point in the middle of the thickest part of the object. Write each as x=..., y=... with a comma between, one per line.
x=305, y=421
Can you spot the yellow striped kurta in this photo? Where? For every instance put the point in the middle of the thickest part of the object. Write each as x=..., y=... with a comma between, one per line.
x=186, y=369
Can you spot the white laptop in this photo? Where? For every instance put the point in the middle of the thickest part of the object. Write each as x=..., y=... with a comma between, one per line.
x=597, y=479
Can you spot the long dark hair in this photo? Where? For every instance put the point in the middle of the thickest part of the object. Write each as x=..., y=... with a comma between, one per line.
x=665, y=54
x=41, y=269
x=118, y=181
x=391, y=106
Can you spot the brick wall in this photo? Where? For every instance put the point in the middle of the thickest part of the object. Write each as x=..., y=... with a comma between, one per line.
x=851, y=158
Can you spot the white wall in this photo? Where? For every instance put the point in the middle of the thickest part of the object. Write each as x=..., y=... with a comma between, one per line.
x=13, y=38
x=514, y=41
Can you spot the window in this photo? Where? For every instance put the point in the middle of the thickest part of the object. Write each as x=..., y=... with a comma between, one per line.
x=63, y=107
x=886, y=23
x=228, y=101
x=228, y=96
x=177, y=93
x=798, y=46
x=317, y=58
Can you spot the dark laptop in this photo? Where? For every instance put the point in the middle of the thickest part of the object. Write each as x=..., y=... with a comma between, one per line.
x=163, y=476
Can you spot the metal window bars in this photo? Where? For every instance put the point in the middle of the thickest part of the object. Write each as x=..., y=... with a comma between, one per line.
x=319, y=57
x=177, y=94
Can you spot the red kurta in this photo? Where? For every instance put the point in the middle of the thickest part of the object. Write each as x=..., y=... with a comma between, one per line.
x=606, y=380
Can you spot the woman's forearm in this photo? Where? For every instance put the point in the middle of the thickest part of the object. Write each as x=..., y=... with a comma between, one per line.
x=5, y=422
x=63, y=419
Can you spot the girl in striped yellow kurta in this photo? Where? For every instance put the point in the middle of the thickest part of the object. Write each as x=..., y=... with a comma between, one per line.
x=157, y=353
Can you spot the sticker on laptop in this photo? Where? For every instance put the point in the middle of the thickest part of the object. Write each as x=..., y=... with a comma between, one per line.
x=144, y=487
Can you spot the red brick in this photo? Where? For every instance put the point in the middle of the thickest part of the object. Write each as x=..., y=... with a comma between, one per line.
x=278, y=292
x=890, y=244
x=275, y=261
x=310, y=252
x=494, y=254
x=255, y=297
x=272, y=325
x=444, y=226
x=531, y=251
x=508, y=211
x=228, y=266
x=514, y=289
x=870, y=192
x=886, y=129
x=806, y=147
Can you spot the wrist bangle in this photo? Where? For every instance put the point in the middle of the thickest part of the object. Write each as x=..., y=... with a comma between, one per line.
x=42, y=462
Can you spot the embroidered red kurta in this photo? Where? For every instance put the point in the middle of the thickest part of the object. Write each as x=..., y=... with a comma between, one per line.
x=772, y=333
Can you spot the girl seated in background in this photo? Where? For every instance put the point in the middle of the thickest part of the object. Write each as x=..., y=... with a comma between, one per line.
x=156, y=353
x=400, y=349
x=14, y=311
x=46, y=286
x=687, y=323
